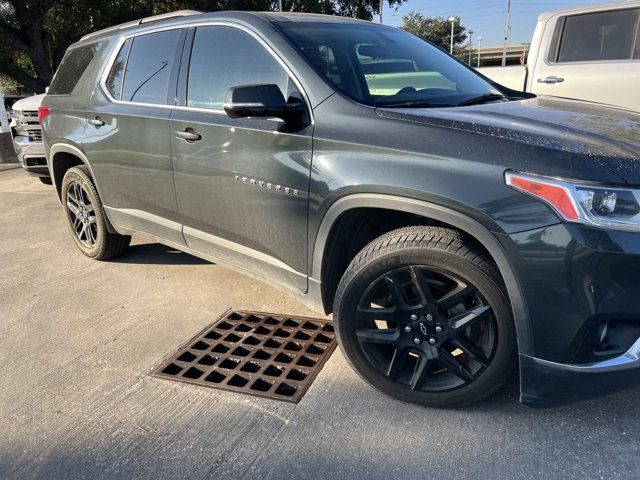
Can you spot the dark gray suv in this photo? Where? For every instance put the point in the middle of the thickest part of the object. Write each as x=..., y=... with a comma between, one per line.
x=453, y=227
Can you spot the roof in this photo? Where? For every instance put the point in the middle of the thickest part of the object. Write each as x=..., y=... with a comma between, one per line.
x=182, y=16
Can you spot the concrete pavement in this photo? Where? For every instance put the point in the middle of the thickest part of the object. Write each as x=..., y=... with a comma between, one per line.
x=79, y=337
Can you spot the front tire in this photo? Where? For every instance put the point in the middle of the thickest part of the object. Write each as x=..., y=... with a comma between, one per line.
x=86, y=217
x=421, y=315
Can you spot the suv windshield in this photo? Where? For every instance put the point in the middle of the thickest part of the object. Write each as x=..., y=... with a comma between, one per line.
x=387, y=67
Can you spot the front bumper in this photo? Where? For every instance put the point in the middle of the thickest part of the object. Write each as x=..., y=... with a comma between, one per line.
x=31, y=156
x=582, y=288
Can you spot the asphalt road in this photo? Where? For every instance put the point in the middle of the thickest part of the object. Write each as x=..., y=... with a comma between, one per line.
x=78, y=339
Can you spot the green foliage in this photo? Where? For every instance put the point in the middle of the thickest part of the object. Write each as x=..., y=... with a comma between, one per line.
x=437, y=30
x=41, y=30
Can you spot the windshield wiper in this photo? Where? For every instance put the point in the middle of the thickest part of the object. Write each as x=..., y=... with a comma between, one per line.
x=487, y=97
x=416, y=105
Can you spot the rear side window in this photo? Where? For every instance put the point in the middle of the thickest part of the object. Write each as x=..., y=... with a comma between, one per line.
x=148, y=70
x=599, y=36
x=116, y=75
x=224, y=57
x=73, y=65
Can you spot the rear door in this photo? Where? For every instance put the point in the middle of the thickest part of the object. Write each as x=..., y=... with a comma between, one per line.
x=592, y=56
x=127, y=138
x=242, y=187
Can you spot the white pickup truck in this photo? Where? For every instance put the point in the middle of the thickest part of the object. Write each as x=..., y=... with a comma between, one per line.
x=587, y=53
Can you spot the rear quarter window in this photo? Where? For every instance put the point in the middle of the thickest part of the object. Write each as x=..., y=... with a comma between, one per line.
x=73, y=65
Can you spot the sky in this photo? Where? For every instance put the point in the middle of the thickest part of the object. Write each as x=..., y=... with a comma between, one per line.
x=486, y=17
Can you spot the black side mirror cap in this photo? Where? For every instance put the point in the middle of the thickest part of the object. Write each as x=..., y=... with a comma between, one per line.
x=261, y=101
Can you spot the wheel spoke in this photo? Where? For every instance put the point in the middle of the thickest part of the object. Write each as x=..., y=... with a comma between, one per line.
x=469, y=318
x=472, y=350
x=420, y=372
x=454, y=366
x=72, y=197
x=397, y=294
x=90, y=236
x=92, y=220
x=370, y=314
x=396, y=364
x=420, y=282
x=73, y=208
x=83, y=232
x=456, y=295
x=373, y=335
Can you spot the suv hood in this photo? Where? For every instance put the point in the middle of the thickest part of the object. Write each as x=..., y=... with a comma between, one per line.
x=609, y=136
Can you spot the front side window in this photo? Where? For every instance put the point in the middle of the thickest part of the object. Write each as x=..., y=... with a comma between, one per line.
x=599, y=36
x=383, y=66
x=225, y=57
x=73, y=65
x=148, y=70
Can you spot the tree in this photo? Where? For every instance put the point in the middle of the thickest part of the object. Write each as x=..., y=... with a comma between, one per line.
x=437, y=30
x=34, y=34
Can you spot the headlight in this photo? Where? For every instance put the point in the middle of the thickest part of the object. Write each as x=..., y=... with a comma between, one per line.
x=596, y=205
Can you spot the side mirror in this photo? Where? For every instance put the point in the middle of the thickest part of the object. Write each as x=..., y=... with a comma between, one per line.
x=262, y=101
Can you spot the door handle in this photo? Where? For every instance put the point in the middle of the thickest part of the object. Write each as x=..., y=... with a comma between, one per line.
x=551, y=80
x=96, y=122
x=189, y=136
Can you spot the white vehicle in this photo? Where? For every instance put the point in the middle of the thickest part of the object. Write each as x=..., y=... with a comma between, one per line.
x=589, y=53
x=27, y=137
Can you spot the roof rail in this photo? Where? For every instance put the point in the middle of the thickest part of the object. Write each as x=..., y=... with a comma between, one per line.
x=133, y=23
x=164, y=16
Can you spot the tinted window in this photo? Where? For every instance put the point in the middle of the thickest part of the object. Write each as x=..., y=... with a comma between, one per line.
x=146, y=77
x=599, y=36
x=73, y=65
x=224, y=57
x=383, y=66
x=114, y=80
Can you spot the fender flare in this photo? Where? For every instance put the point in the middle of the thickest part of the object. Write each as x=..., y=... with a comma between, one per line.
x=73, y=150
x=443, y=214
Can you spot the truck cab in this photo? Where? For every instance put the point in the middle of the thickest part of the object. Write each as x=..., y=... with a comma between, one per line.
x=588, y=53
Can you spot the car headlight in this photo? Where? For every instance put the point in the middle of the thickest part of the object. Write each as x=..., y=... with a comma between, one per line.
x=581, y=202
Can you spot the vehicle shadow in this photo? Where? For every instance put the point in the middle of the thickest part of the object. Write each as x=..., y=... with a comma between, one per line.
x=157, y=254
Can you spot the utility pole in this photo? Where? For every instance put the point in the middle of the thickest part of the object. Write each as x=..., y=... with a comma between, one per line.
x=279, y=5
x=507, y=27
x=453, y=22
x=381, y=7
x=479, y=40
x=470, y=45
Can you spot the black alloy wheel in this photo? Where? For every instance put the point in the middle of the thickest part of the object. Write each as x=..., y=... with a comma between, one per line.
x=426, y=328
x=421, y=314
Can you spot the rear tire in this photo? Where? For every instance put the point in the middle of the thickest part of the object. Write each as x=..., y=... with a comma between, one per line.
x=421, y=315
x=86, y=218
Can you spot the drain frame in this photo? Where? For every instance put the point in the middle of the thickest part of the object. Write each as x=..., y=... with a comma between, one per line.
x=261, y=354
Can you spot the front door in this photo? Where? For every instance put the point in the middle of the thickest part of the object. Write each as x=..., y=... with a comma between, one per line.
x=241, y=184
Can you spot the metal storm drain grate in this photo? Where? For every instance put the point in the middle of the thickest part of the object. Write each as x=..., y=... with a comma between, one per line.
x=271, y=356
